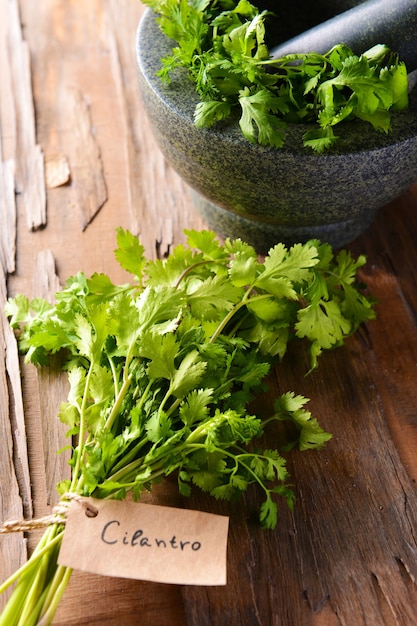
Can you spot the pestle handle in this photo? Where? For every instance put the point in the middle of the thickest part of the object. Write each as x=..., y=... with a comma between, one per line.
x=390, y=22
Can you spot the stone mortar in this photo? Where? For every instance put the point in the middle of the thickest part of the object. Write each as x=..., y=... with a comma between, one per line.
x=265, y=195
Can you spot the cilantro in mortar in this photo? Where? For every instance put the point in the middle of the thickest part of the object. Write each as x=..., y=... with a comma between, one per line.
x=162, y=369
x=221, y=44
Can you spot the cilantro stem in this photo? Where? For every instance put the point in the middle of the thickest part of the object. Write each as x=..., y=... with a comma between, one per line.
x=227, y=318
x=126, y=384
x=128, y=459
x=115, y=376
x=29, y=614
x=26, y=576
x=190, y=269
x=55, y=593
x=83, y=427
x=174, y=406
x=237, y=458
x=125, y=469
x=247, y=296
x=116, y=406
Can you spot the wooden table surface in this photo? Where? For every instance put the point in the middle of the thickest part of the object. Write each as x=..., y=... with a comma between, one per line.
x=77, y=161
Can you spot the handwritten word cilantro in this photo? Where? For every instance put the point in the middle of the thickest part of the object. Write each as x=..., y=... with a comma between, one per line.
x=162, y=370
x=221, y=44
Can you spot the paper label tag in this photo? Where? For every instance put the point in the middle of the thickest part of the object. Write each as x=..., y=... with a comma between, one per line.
x=146, y=542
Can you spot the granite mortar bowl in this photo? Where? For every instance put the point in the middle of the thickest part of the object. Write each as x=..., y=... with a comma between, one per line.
x=266, y=195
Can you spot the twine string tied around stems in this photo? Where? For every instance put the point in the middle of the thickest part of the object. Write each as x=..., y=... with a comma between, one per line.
x=58, y=515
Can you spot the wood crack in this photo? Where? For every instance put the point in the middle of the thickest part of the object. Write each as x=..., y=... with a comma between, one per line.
x=87, y=169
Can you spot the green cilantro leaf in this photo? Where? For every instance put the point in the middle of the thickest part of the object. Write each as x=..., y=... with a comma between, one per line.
x=210, y=296
x=258, y=122
x=208, y=113
x=268, y=513
x=188, y=374
x=323, y=324
x=283, y=268
x=158, y=427
x=196, y=406
x=130, y=252
x=319, y=139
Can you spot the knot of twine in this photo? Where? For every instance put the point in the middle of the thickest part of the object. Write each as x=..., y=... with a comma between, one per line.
x=58, y=515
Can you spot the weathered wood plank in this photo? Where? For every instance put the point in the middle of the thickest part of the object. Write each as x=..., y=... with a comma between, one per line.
x=348, y=552
x=7, y=216
x=53, y=389
x=87, y=169
x=29, y=157
x=12, y=547
x=7, y=154
x=349, y=548
x=15, y=489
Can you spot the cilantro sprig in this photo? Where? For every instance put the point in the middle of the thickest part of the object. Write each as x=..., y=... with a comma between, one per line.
x=221, y=44
x=162, y=369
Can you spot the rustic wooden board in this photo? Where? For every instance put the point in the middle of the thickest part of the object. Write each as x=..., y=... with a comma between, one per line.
x=73, y=132
x=348, y=552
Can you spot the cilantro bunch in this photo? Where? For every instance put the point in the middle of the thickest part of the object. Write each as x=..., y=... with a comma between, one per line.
x=221, y=44
x=162, y=369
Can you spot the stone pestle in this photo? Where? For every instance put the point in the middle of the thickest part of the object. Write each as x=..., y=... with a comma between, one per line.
x=390, y=22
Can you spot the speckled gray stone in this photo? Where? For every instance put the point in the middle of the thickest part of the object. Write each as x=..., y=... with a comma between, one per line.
x=266, y=195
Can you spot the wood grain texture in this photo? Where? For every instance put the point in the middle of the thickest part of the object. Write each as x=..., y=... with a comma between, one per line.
x=13, y=497
x=29, y=159
x=349, y=549
x=53, y=387
x=347, y=554
x=15, y=488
